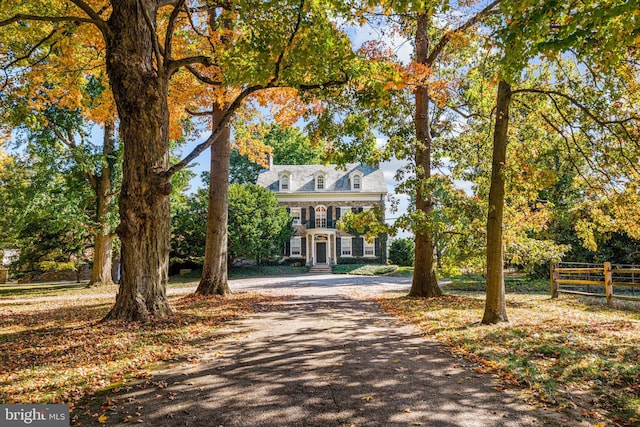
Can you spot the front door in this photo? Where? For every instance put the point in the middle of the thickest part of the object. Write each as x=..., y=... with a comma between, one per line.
x=321, y=252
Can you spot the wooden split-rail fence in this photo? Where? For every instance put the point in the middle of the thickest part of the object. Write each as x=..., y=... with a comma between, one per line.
x=596, y=280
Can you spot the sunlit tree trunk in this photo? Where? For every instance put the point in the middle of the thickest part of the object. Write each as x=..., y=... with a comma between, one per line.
x=495, y=308
x=140, y=91
x=101, y=269
x=424, y=282
x=214, y=271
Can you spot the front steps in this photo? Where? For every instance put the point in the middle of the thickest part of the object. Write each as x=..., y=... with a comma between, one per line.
x=320, y=269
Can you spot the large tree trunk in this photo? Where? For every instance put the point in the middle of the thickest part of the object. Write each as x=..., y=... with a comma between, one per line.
x=214, y=271
x=140, y=92
x=495, y=308
x=101, y=269
x=424, y=282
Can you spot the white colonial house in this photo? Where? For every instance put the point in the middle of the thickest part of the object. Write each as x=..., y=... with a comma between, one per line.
x=317, y=196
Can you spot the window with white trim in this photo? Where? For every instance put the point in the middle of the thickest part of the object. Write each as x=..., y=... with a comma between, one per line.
x=357, y=182
x=320, y=182
x=296, y=246
x=321, y=217
x=285, y=181
x=345, y=246
x=369, y=248
x=355, y=178
x=296, y=213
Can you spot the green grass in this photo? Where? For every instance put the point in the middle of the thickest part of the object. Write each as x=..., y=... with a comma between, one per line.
x=253, y=271
x=364, y=269
x=512, y=283
x=38, y=290
x=402, y=272
x=570, y=354
x=246, y=271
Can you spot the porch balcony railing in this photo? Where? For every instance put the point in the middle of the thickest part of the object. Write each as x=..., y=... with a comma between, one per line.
x=320, y=223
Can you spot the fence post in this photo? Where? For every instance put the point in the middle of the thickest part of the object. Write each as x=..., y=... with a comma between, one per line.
x=608, y=280
x=554, y=280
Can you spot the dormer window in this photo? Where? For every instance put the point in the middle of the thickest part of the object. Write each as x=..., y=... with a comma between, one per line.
x=320, y=182
x=285, y=181
x=356, y=180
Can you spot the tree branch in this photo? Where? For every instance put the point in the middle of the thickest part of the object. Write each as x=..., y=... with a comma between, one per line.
x=25, y=17
x=199, y=113
x=202, y=77
x=154, y=39
x=89, y=11
x=278, y=64
x=224, y=121
x=173, y=66
x=577, y=103
x=470, y=23
x=33, y=49
x=168, y=40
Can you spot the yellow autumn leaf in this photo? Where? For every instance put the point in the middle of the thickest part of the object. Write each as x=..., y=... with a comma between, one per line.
x=102, y=419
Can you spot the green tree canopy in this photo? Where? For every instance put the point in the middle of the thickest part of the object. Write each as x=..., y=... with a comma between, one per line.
x=289, y=146
x=258, y=225
x=401, y=252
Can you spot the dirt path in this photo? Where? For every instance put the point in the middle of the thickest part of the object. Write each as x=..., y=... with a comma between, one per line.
x=322, y=358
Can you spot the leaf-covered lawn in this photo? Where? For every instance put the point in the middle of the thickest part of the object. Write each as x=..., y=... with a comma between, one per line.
x=58, y=352
x=364, y=269
x=569, y=353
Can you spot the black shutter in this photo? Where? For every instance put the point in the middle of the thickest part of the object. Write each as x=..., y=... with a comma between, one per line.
x=304, y=216
x=312, y=216
x=329, y=215
x=359, y=210
x=356, y=246
x=287, y=248
x=338, y=248
x=303, y=242
x=338, y=211
x=289, y=210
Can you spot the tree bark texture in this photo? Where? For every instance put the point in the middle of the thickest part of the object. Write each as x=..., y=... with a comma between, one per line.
x=101, y=269
x=424, y=283
x=495, y=307
x=214, y=271
x=140, y=90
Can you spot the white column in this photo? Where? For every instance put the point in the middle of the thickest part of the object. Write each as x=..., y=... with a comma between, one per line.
x=313, y=249
x=329, y=252
x=335, y=250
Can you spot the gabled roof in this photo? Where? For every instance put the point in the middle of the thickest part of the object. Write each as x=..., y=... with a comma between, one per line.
x=336, y=180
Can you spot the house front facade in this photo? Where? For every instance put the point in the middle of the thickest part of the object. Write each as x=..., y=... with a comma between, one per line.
x=317, y=196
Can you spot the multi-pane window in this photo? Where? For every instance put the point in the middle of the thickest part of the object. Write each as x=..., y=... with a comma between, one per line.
x=321, y=217
x=284, y=183
x=296, y=213
x=296, y=246
x=357, y=182
x=345, y=246
x=320, y=182
x=369, y=248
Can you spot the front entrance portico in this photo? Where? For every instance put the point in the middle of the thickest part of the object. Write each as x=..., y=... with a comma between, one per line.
x=321, y=247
